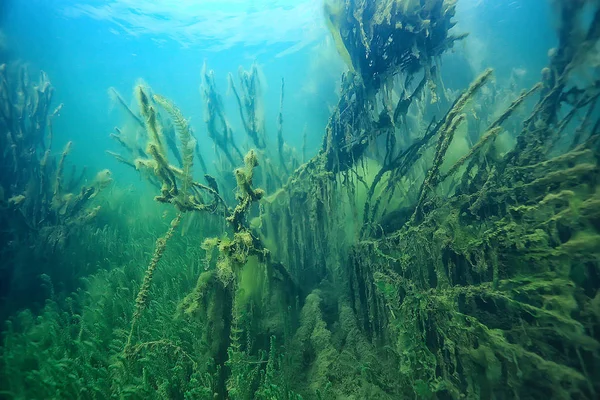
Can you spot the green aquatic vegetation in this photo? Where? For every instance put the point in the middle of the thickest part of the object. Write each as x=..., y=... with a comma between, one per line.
x=335, y=357
x=177, y=185
x=250, y=107
x=417, y=33
x=45, y=203
x=251, y=113
x=241, y=267
x=281, y=145
x=187, y=142
x=249, y=101
x=246, y=194
x=218, y=128
x=502, y=276
x=141, y=300
x=482, y=291
x=481, y=281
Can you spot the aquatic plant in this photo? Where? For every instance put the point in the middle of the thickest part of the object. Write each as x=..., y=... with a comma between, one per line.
x=445, y=262
x=383, y=267
x=33, y=184
x=476, y=289
x=236, y=255
x=251, y=110
x=218, y=128
x=42, y=206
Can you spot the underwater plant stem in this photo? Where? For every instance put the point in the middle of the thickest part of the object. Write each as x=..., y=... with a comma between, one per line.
x=486, y=137
x=115, y=95
x=241, y=110
x=432, y=178
x=451, y=123
x=141, y=301
x=50, y=125
x=513, y=106
x=584, y=125
x=60, y=169
x=304, y=138
x=492, y=131
x=214, y=115
x=280, y=141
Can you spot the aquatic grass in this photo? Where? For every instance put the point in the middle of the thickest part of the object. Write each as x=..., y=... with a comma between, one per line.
x=98, y=318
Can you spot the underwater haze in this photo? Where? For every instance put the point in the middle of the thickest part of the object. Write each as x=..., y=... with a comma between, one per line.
x=310, y=199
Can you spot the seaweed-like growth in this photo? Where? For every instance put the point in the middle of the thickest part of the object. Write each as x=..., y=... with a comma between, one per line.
x=241, y=261
x=446, y=132
x=188, y=143
x=577, y=38
x=478, y=289
x=157, y=151
x=235, y=252
x=351, y=127
x=141, y=300
x=33, y=180
x=401, y=164
x=280, y=141
x=432, y=177
x=219, y=129
x=492, y=132
x=116, y=96
x=246, y=194
x=179, y=188
x=476, y=293
x=387, y=43
x=43, y=203
x=249, y=104
x=129, y=141
x=153, y=127
x=47, y=206
x=380, y=38
x=186, y=138
x=177, y=185
x=478, y=282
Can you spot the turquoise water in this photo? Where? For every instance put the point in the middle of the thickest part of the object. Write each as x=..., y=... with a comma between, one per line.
x=87, y=47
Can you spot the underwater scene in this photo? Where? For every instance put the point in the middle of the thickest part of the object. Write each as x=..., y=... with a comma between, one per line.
x=299, y=199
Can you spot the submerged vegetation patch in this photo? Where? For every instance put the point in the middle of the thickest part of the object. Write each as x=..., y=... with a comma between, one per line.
x=416, y=255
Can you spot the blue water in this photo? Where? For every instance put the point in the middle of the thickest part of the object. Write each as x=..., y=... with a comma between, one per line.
x=88, y=46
